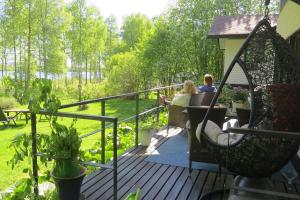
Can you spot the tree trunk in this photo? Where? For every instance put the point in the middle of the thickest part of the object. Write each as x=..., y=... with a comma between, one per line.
x=86, y=69
x=81, y=58
x=15, y=65
x=20, y=61
x=99, y=66
x=27, y=81
x=15, y=48
x=2, y=69
x=90, y=73
x=5, y=58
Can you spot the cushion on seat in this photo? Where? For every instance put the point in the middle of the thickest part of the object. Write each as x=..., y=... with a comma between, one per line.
x=233, y=138
x=214, y=132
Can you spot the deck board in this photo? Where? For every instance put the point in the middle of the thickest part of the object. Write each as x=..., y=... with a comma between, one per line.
x=159, y=181
x=162, y=181
x=170, y=183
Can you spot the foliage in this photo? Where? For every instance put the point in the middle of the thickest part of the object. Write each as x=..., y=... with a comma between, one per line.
x=150, y=122
x=7, y=102
x=135, y=28
x=122, y=108
x=126, y=135
x=41, y=97
x=239, y=94
x=134, y=195
x=23, y=191
x=45, y=35
x=123, y=75
x=62, y=144
x=226, y=95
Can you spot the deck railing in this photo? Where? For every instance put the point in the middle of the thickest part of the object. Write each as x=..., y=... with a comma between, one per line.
x=103, y=119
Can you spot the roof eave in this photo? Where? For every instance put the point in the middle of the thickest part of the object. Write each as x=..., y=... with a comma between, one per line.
x=229, y=36
x=296, y=1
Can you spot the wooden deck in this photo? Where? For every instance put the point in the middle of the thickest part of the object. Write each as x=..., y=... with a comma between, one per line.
x=158, y=181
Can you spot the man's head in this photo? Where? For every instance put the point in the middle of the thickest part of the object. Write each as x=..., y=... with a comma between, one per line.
x=208, y=79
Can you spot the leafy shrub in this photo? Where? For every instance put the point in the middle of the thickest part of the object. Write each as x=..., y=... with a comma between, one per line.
x=240, y=94
x=226, y=95
x=93, y=90
x=7, y=102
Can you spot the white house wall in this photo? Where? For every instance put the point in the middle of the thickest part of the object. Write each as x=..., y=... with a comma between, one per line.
x=237, y=75
x=289, y=19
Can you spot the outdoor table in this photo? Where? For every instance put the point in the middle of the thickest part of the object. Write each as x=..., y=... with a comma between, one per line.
x=17, y=112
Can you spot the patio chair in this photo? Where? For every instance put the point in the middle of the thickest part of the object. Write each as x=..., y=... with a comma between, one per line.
x=198, y=150
x=202, y=99
x=176, y=117
x=243, y=116
x=6, y=119
x=271, y=137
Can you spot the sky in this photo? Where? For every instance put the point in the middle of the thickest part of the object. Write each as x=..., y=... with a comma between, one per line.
x=121, y=8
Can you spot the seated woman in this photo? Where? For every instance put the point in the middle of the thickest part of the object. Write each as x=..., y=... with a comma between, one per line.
x=208, y=84
x=182, y=98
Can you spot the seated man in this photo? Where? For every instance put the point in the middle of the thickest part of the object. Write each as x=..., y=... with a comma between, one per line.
x=208, y=84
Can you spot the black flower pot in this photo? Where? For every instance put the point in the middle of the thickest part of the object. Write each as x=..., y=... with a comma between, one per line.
x=69, y=188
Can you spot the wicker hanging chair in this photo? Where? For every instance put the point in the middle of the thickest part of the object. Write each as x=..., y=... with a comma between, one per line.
x=269, y=65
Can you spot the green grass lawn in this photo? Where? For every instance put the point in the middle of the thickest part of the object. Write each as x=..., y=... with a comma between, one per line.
x=115, y=108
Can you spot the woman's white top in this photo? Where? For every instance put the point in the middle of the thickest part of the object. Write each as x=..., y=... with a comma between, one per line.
x=181, y=100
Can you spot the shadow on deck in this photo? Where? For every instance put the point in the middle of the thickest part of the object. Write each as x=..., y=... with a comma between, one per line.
x=159, y=181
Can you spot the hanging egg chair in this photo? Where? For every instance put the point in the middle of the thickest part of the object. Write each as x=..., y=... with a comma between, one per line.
x=273, y=75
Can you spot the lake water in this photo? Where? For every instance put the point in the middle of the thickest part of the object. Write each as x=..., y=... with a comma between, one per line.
x=50, y=76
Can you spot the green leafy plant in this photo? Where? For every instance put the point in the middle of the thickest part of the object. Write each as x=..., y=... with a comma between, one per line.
x=62, y=144
x=63, y=147
x=226, y=95
x=239, y=94
x=134, y=195
x=151, y=123
x=7, y=102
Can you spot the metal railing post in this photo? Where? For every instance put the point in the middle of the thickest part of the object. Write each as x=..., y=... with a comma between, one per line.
x=157, y=104
x=103, y=132
x=34, y=154
x=137, y=112
x=115, y=162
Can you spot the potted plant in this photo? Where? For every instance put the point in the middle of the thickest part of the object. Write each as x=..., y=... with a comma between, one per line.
x=239, y=98
x=63, y=147
x=62, y=144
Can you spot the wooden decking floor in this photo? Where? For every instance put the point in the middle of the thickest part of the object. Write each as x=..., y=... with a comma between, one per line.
x=158, y=181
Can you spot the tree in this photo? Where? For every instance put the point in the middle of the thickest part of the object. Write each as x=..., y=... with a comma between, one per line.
x=54, y=21
x=123, y=75
x=135, y=29
x=112, y=41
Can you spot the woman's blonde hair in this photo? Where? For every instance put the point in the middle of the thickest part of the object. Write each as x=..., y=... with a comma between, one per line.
x=189, y=87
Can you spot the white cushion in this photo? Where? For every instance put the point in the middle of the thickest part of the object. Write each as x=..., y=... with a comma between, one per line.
x=233, y=137
x=212, y=130
x=188, y=124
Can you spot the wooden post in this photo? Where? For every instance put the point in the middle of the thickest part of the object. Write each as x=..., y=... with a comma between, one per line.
x=34, y=156
x=103, y=132
x=137, y=108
